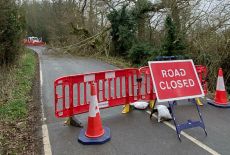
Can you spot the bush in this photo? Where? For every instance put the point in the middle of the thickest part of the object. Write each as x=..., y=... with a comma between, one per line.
x=123, y=30
x=173, y=42
x=11, y=26
x=211, y=49
x=141, y=53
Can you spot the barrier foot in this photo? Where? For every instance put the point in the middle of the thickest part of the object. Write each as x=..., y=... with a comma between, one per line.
x=72, y=121
x=199, y=102
x=152, y=103
x=126, y=109
x=83, y=139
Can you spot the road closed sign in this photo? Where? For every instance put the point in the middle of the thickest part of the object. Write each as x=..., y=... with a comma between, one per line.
x=175, y=80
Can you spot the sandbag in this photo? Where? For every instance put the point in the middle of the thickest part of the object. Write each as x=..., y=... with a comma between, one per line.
x=140, y=105
x=163, y=113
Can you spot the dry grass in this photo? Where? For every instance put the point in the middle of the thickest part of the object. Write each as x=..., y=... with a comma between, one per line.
x=7, y=78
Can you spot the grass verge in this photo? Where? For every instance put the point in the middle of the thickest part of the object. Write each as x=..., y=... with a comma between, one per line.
x=15, y=105
x=21, y=77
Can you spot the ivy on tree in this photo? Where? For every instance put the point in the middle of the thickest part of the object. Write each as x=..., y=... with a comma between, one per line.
x=172, y=42
x=123, y=30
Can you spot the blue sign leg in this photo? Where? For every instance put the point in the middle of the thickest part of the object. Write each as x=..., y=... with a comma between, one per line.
x=189, y=123
x=171, y=104
x=201, y=119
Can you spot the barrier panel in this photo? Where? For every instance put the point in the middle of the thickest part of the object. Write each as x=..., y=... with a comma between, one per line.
x=202, y=74
x=33, y=41
x=114, y=88
x=145, y=84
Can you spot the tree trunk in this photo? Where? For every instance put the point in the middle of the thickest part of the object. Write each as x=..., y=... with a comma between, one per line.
x=141, y=27
x=175, y=12
x=91, y=15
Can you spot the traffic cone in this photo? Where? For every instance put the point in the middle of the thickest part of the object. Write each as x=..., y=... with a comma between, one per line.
x=94, y=128
x=220, y=99
x=95, y=132
x=221, y=95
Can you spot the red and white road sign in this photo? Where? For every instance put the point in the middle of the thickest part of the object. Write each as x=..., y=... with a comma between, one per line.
x=175, y=80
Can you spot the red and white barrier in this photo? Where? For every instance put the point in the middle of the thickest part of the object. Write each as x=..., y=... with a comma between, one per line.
x=114, y=88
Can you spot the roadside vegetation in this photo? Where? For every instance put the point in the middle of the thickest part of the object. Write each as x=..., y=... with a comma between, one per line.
x=17, y=107
x=12, y=24
x=16, y=83
x=19, y=114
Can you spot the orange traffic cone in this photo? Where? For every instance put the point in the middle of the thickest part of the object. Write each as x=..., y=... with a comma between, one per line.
x=220, y=99
x=221, y=95
x=95, y=133
x=94, y=128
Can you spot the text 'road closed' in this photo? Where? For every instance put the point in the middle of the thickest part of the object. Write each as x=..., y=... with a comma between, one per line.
x=174, y=84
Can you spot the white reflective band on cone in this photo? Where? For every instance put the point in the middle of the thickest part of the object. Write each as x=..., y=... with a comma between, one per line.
x=93, y=107
x=220, y=84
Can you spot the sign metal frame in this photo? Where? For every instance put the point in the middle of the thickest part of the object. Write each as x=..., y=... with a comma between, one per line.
x=173, y=102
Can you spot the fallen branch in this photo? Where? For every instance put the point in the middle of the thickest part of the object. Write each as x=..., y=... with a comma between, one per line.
x=87, y=39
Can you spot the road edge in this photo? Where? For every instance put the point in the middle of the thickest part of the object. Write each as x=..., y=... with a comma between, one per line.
x=45, y=132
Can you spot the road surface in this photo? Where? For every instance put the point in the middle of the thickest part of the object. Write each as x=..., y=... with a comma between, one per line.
x=132, y=133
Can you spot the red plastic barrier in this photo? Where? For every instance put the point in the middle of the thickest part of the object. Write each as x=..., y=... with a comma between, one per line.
x=114, y=88
x=145, y=84
x=202, y=74
x=32, y=43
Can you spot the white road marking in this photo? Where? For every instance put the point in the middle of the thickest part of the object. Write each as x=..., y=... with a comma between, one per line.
x=45, y=133
x=192, y=139
x=41, y=84
x=46, y=141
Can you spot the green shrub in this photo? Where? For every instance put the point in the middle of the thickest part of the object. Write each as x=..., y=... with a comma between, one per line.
x=173, y=42
x=123, y=30
x=11, y=26
x=141, y=53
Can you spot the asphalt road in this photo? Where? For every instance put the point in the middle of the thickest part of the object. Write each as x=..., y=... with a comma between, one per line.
x=132, y=133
